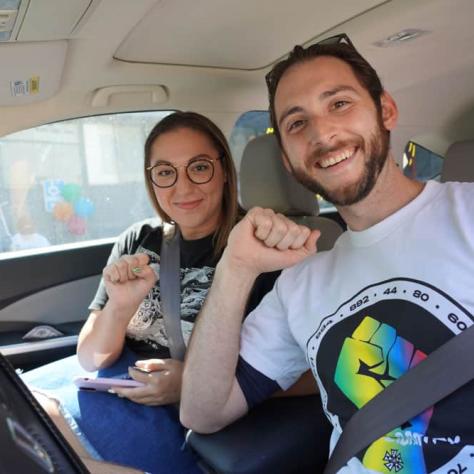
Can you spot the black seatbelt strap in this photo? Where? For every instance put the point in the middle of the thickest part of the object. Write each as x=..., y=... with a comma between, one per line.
x=170, y=290
x=445, y=370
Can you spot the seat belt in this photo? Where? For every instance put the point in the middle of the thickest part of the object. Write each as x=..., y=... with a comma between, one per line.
x=170, y=290
x=446, y=369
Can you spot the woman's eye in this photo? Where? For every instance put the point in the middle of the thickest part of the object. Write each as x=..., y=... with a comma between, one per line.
x=200, y=167
x=340, y=103
x=165, y=173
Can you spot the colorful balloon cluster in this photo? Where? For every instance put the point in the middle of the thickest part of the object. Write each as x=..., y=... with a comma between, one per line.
x=74, y=209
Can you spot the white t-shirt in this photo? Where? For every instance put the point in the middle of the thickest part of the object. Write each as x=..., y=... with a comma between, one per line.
x=361, y=314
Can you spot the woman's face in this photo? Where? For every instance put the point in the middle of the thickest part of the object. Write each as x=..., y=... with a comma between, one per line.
x=196, y=208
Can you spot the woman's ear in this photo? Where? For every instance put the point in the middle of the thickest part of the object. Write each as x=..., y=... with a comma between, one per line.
x=389, y=111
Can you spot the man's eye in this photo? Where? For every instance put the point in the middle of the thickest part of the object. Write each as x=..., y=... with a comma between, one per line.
x=292, y=126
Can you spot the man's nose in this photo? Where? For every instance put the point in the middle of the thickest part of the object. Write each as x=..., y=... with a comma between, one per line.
x=322, y=131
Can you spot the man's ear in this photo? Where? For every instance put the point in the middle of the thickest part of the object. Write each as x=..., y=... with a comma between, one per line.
x=389, y=111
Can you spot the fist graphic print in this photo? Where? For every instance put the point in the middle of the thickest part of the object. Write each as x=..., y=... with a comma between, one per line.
x=370, y=360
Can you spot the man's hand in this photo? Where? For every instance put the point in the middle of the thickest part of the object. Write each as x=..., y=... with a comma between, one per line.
x=128, y=281
x=162, y=382
x=264, y=241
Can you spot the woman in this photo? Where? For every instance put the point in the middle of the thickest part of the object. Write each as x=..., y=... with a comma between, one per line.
x=191, y=181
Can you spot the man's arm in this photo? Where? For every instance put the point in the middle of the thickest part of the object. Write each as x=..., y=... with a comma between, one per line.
x=263, y=241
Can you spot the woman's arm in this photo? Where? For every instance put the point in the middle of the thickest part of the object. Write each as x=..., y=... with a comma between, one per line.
x=127, y=282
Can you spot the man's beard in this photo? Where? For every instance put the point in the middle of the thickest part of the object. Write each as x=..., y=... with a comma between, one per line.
x=351, y=194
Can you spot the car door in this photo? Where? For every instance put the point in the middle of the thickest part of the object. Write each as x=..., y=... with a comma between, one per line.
x=66, y=191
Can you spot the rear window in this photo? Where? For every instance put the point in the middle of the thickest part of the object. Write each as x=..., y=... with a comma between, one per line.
x=420, y=163
x=73, y=181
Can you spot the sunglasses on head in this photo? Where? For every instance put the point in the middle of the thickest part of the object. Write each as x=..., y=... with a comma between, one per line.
x=341, y=38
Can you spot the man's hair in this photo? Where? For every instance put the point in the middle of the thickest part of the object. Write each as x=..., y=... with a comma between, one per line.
x=199, y=123
x=363, y=71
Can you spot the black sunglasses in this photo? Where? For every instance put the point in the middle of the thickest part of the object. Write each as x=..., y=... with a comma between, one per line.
x=341, y=38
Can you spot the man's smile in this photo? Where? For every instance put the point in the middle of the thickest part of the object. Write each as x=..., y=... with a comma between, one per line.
x=335, y=158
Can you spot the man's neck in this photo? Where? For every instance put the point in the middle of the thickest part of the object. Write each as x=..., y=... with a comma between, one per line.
x=392, y=191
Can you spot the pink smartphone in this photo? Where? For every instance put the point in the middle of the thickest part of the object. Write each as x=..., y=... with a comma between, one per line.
x=103, y=384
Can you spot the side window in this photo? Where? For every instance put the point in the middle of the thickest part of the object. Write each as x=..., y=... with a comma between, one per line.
x=421, y=163
x=248, y=126
x=254, y=124
x=73, y=181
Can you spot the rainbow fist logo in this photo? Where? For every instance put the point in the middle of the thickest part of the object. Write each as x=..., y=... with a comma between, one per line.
x=370, y=360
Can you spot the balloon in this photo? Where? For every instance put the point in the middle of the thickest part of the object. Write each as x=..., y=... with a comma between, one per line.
x=71, y=192
x=77, y=225
x=84, y=207
x=63, y=211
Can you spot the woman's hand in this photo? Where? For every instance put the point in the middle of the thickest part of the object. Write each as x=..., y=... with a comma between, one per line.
x=128, y=281
x=162, y=379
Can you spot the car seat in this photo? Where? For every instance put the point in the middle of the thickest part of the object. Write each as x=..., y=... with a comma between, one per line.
x=458, y=164
x=265, y=182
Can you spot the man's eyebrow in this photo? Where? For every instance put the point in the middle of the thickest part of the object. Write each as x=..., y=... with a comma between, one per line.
x=324, y=95
x=292, y=110
x=336, y=90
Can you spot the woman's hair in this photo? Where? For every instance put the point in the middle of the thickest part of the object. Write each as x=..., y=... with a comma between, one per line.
x=199, y=123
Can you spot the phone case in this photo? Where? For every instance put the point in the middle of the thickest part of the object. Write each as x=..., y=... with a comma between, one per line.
x=102, y=384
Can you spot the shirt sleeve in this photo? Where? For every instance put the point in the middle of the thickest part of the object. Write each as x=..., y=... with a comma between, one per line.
x=255, y=386
x=267, y=343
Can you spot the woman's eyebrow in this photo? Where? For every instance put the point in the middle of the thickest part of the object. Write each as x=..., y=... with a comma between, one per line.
x=160, y=161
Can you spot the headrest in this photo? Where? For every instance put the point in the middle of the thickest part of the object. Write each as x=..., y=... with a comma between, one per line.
x=458, y=164
x=265, y=182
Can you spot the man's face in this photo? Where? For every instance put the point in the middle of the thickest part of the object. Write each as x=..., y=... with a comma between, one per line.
x=334, y=139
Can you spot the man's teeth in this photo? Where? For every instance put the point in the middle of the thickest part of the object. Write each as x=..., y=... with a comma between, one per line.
x=335, y=159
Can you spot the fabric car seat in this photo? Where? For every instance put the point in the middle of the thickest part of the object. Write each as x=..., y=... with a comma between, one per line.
x=265, y=182
x=458, y=164
x=282, y=434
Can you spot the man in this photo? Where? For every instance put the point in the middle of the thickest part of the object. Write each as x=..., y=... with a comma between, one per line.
x=396, y=285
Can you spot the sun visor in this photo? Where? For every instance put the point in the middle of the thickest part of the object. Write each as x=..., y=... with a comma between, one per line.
x=30, y=72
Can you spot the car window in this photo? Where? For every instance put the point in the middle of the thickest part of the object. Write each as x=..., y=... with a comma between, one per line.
x=420, y=163
x=73, y=181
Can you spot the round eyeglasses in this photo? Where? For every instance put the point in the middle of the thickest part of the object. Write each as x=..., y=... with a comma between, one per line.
x=198, y=170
